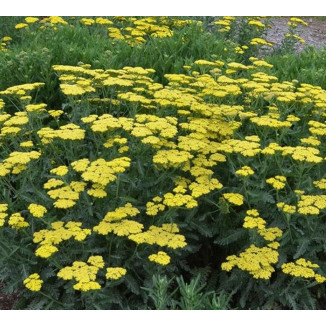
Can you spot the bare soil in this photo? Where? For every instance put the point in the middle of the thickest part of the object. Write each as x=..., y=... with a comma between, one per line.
x=6, y=300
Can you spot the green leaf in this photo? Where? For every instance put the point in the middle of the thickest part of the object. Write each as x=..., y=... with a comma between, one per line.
x=234, y=236
x=302, y=248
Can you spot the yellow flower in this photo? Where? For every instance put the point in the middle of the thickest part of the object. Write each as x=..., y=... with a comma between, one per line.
x=256, y=261
x=87, y=286
x=161, y=258
x=234, y=198
x=278, y=182
x=61, y=170
x=290, y=209
x=33, y=282
x=31, y=20
x=96, y=261
x=270, y=234
x=52, y=183
x=35, y=107
x=55, y=113
x=21, y=25
x=245, y=171
x=16, y=221
x=254, y=222
x=37, y=210
x=302, y=268
x=45, y=251
x=27, y=144
x=114, y=273
x=85, y=274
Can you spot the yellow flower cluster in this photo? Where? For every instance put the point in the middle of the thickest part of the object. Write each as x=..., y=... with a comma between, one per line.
x=300, y=153
x=321, y=184
x=21, y=91
x=317, y=128
x=179, y=200
x=55, y=113
x=77, y=89
x=66, y=132
x=33, y=282
x=37, y=210
x=13, y=124
x=297, y=20
x=116, y=222
x=216, y=63
x=303, y=268
x=313, y=141
x=261, y=41
x=17, y=162
x=65, y=196
x=52, y=21
x=311, y=204
x=253, y=220
x=161, y=258
x=140, y=29
x=166, y=235
x=204, y=185
x=3, y=46
x=172, y=158
x=277, y=182
x=16, y=221
x=268, y=121
x=83, y=273
x=53, y=183
x=26, y=144
x=21, y=25
x=50, y=239
x=243, y=147
x=31, y=20
x=3, y=213
x=115, y=273
x=234, y=198
x=61, y=170
x=296, y=37
x=155, y=130
x=256, y=261
x=103, y=172
x=107, y=122
x=117, y=140
x=289, y=209
x=155, y=206
x=35, y=107
x=225, y=23
x=245, y=171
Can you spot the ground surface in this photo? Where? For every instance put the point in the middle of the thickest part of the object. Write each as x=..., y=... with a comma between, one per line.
x=314, y=34
x=6, y=301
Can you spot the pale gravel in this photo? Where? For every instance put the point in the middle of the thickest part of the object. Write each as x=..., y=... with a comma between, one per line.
x=314, y=34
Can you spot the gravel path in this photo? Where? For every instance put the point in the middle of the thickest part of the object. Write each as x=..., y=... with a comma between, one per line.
x=314, y=34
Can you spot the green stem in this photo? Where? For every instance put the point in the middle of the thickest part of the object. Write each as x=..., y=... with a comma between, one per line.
x=246, y=192
x=118, y=186
x=47, y=296
x=110, y=248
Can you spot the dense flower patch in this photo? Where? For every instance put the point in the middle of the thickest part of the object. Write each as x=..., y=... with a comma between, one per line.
x=131, y=176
